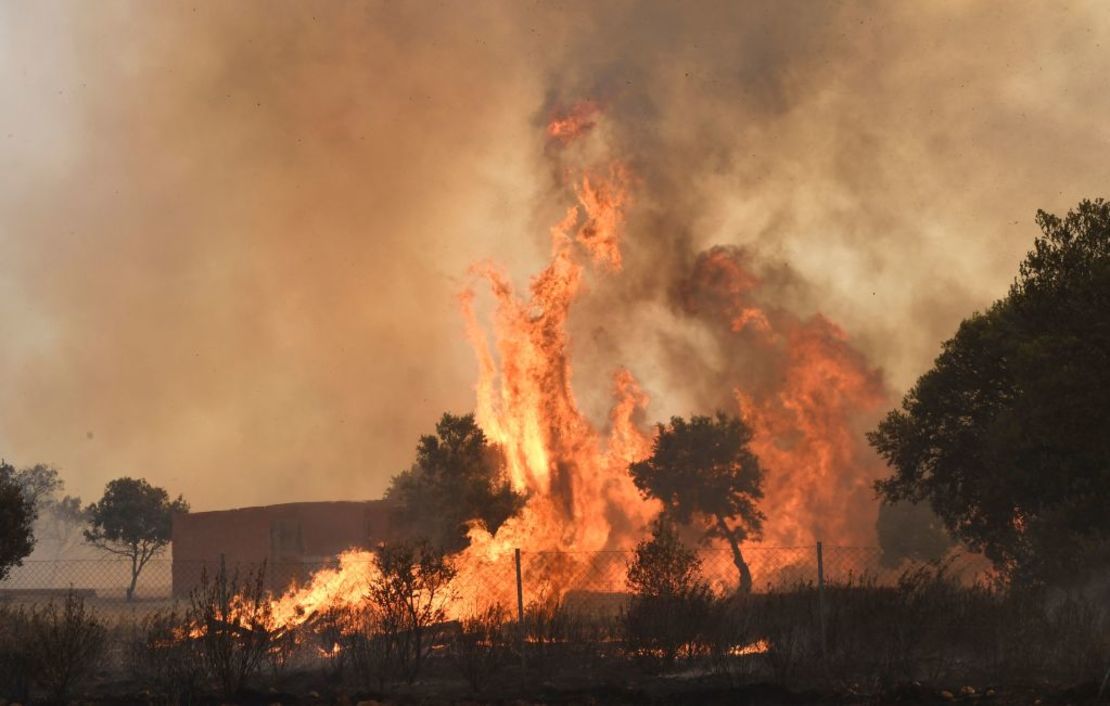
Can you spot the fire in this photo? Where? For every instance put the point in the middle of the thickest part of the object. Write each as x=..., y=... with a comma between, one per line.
x=753, y=648
x=575, y=122
x=807, y=412
x=580, y=496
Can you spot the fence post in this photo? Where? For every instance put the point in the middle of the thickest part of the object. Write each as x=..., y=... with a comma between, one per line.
x=821, y=598
x=520, y=608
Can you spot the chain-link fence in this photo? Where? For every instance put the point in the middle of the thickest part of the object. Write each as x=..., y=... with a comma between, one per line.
x=596, y=579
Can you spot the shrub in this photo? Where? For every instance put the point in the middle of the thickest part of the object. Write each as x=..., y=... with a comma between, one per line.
x=408, y=597
x=66, y=643
x=480, y=647
x=165, y=657
x=15, y=654
x=671, y=604
x=367, y=647
x=235, y=626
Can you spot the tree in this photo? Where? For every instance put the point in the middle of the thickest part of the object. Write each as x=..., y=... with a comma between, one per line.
x=17, y=517
x=39, y=483
x=1007, y=437
x=458, y=478
x=133, y=520
x=57, y=520
x=704, y=469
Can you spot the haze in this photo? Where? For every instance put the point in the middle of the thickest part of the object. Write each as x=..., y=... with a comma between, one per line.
x=232, y=234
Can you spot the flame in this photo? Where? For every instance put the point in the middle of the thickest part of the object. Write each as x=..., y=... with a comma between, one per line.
x=580, y=496
x=575, y=122
x=807, y=413
x=752, y=648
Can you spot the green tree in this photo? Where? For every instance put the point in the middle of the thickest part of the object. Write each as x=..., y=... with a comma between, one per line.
x=1007, y=437
x=17, y=518
x=705, y=469
x=458, y=478
x=133, y=520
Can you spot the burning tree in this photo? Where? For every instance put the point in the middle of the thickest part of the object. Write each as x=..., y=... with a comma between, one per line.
x=704, y=468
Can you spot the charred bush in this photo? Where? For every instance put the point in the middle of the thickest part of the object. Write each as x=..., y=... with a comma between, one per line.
x=233, y=621
x=15, y=654
x=66, y=643
x=480, y=648
x=789, y=621
x=732, y=640
x=166, y=658
x=407, y=599
x=367, y=646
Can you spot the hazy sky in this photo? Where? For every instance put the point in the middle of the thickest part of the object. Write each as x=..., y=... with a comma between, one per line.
x=231, y=234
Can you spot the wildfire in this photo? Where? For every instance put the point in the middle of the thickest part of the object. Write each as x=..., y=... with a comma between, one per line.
x=807, y=413
x=575, y=122
x=580, y=496
x=753, y=648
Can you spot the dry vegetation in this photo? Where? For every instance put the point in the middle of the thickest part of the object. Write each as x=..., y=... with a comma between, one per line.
x=926, y=633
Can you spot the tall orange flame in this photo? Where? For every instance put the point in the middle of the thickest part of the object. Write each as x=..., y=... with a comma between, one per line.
x=580, y=496
x=808, y=418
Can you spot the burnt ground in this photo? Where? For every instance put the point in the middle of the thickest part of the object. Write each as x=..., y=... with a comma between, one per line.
x=315, y=690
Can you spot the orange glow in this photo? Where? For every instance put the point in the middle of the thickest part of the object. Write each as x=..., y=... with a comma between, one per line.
x=580, y=497
x=574, y=122
x=753, y=648
x=807, y=417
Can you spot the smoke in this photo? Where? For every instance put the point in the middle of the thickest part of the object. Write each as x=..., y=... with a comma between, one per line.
x=231, y=235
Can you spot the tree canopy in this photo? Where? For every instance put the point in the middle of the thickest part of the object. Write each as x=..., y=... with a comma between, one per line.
x=705, y=469
x=17, y=517
x=133, y=519
x=1007, y=437
x=58, y=519
x=458, y=478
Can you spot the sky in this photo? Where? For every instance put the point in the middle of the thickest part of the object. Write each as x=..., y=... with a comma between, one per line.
x=232, y=235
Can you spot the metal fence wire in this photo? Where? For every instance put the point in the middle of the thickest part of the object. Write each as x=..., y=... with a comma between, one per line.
x=568, y=575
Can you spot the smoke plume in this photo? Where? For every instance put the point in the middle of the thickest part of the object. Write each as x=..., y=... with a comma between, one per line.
x=232, y=235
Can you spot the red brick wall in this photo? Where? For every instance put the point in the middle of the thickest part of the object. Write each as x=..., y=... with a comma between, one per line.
x=307, y=534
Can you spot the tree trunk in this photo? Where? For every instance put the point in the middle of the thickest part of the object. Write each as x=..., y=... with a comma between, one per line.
x=134, y=578
x=737, y=556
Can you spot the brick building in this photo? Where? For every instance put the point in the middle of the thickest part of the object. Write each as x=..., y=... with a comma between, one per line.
x=293, y=539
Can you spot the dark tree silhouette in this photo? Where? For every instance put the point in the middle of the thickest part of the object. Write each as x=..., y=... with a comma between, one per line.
x=458, y=478
x=1007, y=437
x=133, y=520
x=704, y=468
x=17, y=517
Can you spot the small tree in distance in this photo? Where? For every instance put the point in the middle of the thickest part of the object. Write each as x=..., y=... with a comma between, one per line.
x=133, y=520
x=704, y=468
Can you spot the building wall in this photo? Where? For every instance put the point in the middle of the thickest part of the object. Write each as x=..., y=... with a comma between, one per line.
x=292, y=539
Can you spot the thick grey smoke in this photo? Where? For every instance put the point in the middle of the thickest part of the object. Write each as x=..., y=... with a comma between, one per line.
x=231, y=234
